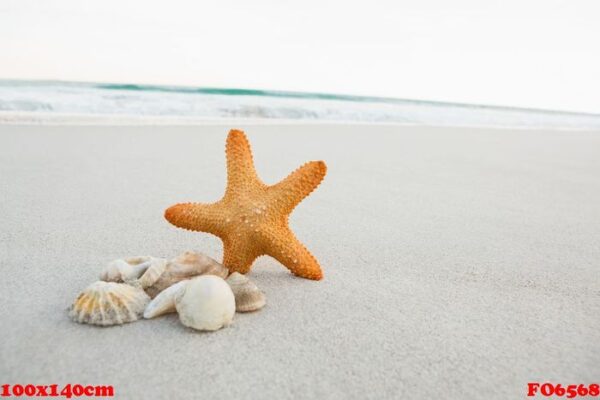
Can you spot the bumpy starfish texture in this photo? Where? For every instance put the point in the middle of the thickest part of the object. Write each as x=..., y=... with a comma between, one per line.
x=252, y=217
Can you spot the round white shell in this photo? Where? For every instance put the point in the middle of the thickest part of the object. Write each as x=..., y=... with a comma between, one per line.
x=248, y=297
x=205, y=303
x=108, y=303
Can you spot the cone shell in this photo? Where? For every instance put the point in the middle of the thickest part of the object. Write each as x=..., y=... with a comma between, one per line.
x=185, y=266
x=108, y=303
x=248, y=297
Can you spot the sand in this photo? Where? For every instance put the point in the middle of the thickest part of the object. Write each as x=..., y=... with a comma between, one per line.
x=459, y=263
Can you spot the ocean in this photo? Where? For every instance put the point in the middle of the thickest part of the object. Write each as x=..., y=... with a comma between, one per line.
x=42, y=99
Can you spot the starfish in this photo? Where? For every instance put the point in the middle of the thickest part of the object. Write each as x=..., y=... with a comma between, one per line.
x=252, y=218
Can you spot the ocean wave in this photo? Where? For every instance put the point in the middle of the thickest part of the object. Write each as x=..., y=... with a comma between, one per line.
x=172, y=101
x=24, y=105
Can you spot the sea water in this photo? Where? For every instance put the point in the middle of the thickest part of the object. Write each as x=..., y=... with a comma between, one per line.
x=47, y=98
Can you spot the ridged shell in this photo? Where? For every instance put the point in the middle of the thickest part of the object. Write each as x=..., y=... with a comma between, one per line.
x=186, y=266
x=248, y=297
x=131, y=269
x=108, y=303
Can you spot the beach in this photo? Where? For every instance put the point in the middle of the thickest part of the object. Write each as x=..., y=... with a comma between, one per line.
x=458, y=262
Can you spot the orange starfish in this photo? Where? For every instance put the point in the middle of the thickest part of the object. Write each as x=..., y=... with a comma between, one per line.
x=252, y=217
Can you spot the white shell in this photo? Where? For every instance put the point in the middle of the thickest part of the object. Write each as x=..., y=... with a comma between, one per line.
x=164, y=303
x=134, y=268
x=155, y=270
x=248, y=297
x=108, y=303
x=206, y=303
x=186, y=266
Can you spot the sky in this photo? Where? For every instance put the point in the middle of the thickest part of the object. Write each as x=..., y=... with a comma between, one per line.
x=523, y=53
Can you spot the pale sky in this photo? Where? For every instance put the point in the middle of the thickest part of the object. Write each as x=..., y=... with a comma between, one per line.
x=528, y=53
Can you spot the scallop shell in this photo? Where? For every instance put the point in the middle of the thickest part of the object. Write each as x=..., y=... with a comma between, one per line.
x=205, y=303
x=248, y=297
x=131, y=269
x=108, y=303
x=186, y=266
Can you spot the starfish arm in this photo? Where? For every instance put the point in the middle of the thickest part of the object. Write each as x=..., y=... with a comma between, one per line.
x=290, y=252
x=240, y=165
x=238, y=256
x=299, y=184
x=196, y=217
x=251, y=218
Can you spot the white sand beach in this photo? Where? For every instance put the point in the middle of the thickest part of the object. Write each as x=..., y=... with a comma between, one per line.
x=459, y=263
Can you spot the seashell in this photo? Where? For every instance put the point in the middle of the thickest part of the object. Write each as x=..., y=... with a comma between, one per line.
x=108, y=303
x=186, y=266
x=164, y=303
x=248, y=297
x=205, y=303
x=131, y=269
x=153, y=273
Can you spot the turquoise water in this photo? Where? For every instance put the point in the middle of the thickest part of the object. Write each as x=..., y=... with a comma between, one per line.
x=107, y=99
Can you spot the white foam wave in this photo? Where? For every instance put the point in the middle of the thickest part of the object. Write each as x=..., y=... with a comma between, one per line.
x=61, y=99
